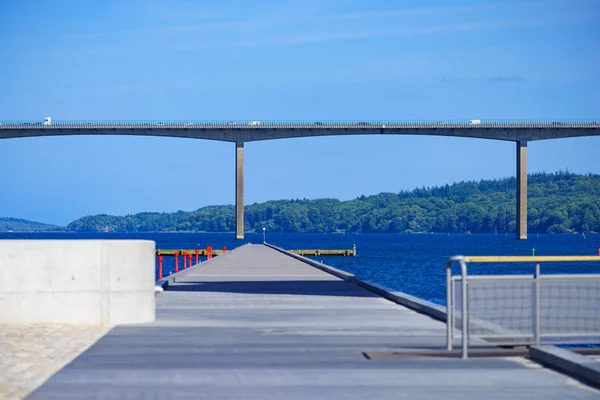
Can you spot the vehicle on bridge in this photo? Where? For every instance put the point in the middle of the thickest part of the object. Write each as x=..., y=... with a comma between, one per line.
x=475, y=122
x=254, y=123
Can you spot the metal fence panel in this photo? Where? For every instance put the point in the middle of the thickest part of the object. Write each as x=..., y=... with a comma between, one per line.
x=569, y=305
x=502, y=309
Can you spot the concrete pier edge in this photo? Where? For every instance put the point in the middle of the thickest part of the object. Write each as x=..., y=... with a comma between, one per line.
x=566, y=361
x=425, y=307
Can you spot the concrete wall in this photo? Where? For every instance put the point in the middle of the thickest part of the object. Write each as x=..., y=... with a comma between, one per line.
x=97, y=282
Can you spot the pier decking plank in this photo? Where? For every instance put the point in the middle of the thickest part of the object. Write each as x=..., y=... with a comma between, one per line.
x=257, y=324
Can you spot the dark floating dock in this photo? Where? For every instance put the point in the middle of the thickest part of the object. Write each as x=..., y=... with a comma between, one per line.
x=218, y=252
x=256, y=323
x=180, y=252
x=325, y=252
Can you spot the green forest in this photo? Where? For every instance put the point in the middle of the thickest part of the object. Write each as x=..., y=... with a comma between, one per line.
x=561, y=202
x=18, y=224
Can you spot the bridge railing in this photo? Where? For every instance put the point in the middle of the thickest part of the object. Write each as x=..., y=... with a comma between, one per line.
x=315, y=124
x=522, y=309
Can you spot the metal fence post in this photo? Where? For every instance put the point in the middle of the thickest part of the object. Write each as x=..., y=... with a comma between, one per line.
x=465, y=310
x=536, y=305
x=449, y=306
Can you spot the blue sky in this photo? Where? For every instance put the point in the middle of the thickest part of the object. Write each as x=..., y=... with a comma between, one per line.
x=267, y=59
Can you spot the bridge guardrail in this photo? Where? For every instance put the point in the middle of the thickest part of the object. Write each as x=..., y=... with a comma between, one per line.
x=522, y=309
x=314, y=124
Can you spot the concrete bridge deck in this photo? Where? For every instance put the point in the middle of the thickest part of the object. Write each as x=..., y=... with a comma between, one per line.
x=519, y=131
x=258, y=324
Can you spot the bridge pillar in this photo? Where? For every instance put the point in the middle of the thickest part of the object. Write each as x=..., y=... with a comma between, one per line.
x=239, y=190
x=521, y=190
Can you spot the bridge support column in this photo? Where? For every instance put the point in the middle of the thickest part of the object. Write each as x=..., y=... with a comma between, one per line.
x=239, y=190
x=521, y=190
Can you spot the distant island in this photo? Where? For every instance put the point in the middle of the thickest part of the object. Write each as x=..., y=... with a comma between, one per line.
x=23, y=225
x=559, y=202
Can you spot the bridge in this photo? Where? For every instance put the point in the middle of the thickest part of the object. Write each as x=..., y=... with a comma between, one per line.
x=239, y=132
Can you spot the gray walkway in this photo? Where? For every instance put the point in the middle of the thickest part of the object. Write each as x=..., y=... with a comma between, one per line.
x=256, y=324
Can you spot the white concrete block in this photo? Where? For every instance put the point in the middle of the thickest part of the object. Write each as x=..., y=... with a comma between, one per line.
x=50, y=308
x=98, y=282
x=124, y=307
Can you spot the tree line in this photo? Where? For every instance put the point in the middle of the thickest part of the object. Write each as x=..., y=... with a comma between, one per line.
x=559, y=202
x=20, y=225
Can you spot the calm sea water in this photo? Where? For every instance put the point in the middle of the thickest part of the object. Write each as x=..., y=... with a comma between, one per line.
x=410, y=263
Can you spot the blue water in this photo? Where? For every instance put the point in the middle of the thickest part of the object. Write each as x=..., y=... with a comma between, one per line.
x=410, y=263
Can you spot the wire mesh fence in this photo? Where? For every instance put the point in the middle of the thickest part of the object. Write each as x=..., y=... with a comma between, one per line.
x=526, y=310
x=570, y=305
x=499, y=308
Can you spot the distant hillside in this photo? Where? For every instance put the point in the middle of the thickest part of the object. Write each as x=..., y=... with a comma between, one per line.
x=21, y=225
x=558, y=203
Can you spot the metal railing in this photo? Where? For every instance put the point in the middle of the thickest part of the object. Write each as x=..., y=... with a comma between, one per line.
x=314, y=124
x=522, y=309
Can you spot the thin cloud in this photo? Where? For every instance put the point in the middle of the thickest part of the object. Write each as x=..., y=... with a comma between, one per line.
x=427, y=11
x=506, y=79
x=207, y=41
x=294, y=20
x=459, y=80
x=378, y=33
x=492, y=79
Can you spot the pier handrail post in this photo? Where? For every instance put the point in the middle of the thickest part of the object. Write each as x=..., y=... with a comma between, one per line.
x=450, y=303
x=536, y=304
x=464, y=307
